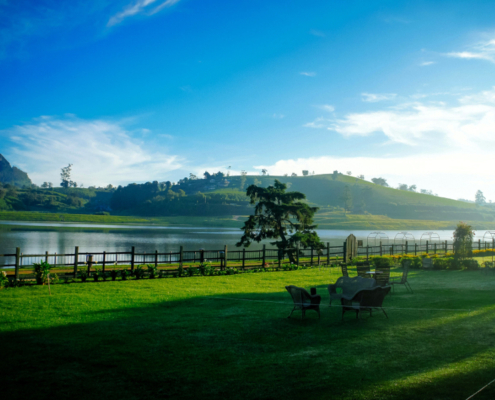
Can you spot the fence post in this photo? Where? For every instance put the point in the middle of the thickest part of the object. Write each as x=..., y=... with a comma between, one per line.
x=46, y=257
x=264, y=256
x=427, y=247
x=381, y=249
x=297, y=254
x=407, y=247
x=311, y=260
x=328, y=253
x=435, y=248
x=156, y=258
x=181, y=254
x=76, y=260
x=367, y=253
x=17, y=262
x=446, y=250
x=90, y=263
x=345, y=251
x=479, y=244
x=55, y=261
x=225, y=257
x=243, y=258
x=202, y=256
x=392, y=249
x=104, y=261
x=133, y=250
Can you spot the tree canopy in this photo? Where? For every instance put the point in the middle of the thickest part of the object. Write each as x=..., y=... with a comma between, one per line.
x=280, y=215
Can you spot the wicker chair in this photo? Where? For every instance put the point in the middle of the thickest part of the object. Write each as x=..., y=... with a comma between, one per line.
x=403, y=280
x=362, y=269
x=382, y=276
x=303, y=300
x=365, y=300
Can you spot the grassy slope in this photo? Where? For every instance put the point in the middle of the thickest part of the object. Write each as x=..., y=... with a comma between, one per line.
x=228, y=337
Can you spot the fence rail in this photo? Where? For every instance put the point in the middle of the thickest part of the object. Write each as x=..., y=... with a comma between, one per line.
x=15, y=262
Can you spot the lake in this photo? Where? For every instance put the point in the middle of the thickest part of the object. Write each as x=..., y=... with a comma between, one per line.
x=38, y=237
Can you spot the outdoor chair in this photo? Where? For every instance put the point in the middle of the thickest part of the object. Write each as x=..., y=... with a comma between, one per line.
x=362, y=269
x=346, y=287
x=403, y=280
x=344, y=270
x=303, y=300
x=382, y=275
x=365, y=300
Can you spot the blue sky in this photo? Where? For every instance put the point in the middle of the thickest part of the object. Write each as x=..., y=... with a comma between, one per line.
x=132, y=91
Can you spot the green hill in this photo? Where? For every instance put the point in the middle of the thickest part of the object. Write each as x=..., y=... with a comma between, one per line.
x=326, y=191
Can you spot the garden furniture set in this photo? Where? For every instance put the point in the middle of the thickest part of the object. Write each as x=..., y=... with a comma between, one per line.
x=359, y=293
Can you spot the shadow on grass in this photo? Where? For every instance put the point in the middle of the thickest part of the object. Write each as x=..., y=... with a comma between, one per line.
x=242, y=346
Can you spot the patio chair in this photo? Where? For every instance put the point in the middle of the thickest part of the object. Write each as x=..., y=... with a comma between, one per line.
x=382, y=276
x=303, y=300
x=403, y=280
x=365, y=300
x=362, y=269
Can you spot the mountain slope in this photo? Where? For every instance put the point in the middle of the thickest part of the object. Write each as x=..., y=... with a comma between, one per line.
x=12, y=175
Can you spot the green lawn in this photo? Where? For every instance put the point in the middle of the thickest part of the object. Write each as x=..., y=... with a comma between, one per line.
x=228, y=337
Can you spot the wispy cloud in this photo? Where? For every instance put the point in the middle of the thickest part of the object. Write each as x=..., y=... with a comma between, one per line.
x=426, y=63
x=469, y=124
x=278, y=116
x=308, y=73
x=314, y=32
x=140, y=7
x=375, y=97
x=327, y=107
x=101, y=151
x=482, y=51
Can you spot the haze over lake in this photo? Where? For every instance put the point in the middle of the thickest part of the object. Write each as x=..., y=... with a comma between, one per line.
x=62, y=237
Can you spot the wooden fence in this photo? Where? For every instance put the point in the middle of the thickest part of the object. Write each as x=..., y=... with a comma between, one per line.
x=14, y=263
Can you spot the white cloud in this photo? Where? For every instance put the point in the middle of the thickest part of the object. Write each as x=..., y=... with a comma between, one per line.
x=101, y=151
x=469, y=124
x=375, y=97
x=442, y=173
x=278, y=116
x=327, y=107
x=138, y=7
x=482, y=50
x=308, y=73
x=426, y=63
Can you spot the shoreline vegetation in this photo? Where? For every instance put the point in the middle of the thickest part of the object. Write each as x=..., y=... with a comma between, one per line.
x=325, y=220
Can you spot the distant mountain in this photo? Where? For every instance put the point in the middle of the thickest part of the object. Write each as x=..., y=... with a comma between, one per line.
x=13, y=175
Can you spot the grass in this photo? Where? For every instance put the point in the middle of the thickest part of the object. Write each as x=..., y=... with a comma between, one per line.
x=228, y=337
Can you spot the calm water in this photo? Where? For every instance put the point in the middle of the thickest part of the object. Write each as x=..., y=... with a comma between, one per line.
x=91, y=237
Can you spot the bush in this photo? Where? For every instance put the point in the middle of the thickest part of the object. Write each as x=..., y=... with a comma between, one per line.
x=470, y=265
x=152, y=269
x=83, y=275
x=124, y=274
x=4, y=281
x=139, y=272
x=41, y=271
x=382, y=261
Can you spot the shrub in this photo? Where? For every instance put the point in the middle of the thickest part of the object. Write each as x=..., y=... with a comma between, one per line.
x=96, y=274
x=139, y=272
x=470, y=265
x=152, y=269
x=180, y=270
x=124, y=274
x=416, y=263
x=161, y=273
x=83, y=275
x=382, y=261
x=4, y=281
x=113, y=274
x=41, y=271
